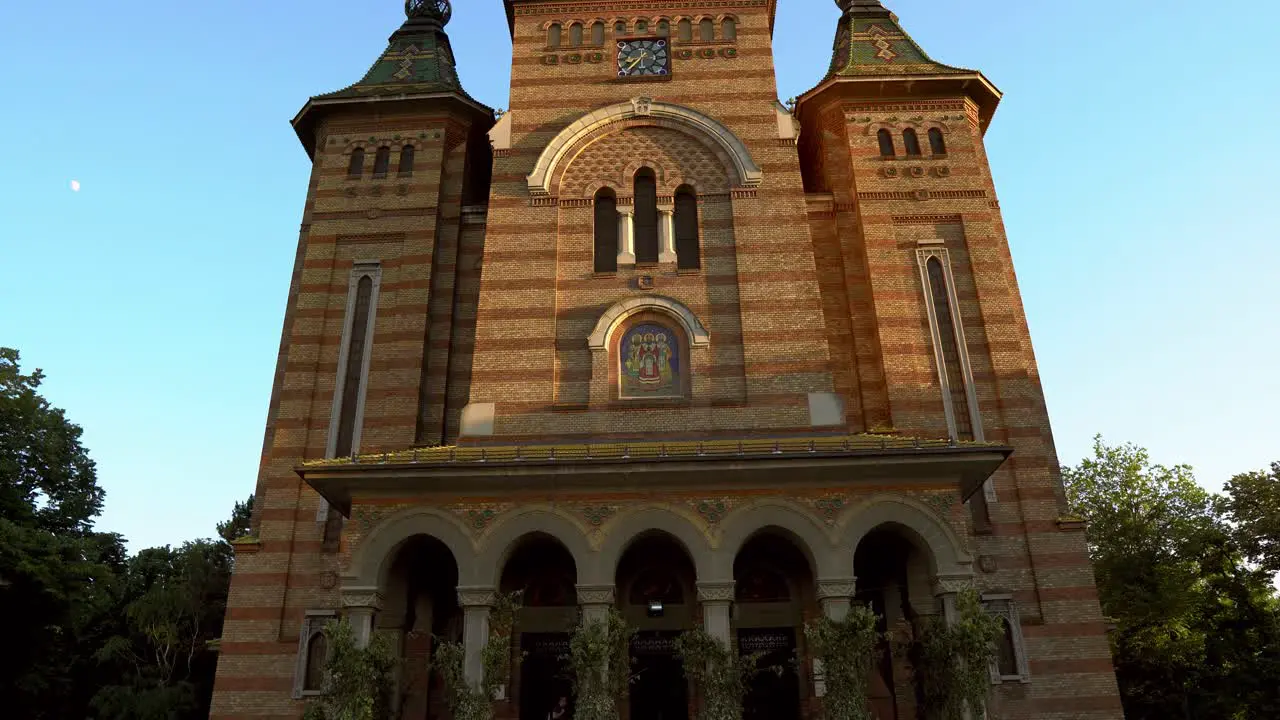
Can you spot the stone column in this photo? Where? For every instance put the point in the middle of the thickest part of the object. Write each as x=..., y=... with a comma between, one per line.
x=476, y=602
x=667, y=234
x=716, y=597
x=361, y=605
x=834, y=595
x=595, y=601
x=945, y=588
x=626, y=236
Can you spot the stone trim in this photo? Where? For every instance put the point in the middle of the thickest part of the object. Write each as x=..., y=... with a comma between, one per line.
x=362, y=269
x=839, y=588
x=596, y=594
x=613, y=317
x=694, y=122
x=312, y=622
x=716, y=591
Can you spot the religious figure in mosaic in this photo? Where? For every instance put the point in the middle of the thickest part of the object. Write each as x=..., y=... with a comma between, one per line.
x=650, y=362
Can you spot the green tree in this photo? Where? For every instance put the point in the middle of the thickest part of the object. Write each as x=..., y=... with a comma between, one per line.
x=57, y=576
x=238, y=525
x=1195, y=627
x=1253, y=506
x=358, y=682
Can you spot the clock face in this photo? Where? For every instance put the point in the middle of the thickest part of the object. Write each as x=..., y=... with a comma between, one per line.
x=644, y=57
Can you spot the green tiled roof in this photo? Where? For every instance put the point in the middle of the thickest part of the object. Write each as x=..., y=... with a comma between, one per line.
x=418, y=59
x=870, y=42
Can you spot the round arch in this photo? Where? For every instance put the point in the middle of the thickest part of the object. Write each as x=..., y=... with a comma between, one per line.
x=947, y=556
x=613, y=317
x=372, y=558
x=503, y=538
x=802, y=529
x=684, y=118
x=622, y=531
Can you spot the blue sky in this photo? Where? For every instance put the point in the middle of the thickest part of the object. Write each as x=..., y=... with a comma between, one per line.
x=1131, y=154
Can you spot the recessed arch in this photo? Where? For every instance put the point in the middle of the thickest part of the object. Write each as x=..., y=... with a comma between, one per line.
x=504, y=537
x=798, y=526
x=372, y=558
x=947, y=556
x=622, y=531
x=687, y=119
x=612, y=318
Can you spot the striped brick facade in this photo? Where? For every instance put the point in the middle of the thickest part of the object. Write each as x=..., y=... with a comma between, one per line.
x=813, y=408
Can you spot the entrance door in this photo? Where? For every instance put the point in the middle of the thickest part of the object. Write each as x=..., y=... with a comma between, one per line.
x=544, y=676
x=660, y=691
x=774, y=692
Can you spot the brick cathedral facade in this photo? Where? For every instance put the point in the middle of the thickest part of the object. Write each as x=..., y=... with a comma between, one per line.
x=653, y=337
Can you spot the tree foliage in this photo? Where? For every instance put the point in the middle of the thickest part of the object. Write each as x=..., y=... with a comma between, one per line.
x=358, y=681
x=718, y=672
x=466, y=701
x=953, y=660
x=1197, y=627
x=846, y=651
x=600, y=656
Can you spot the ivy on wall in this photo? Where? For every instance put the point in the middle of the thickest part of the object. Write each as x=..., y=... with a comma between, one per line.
x=719, y=673
x=600, y=657
x=358, y=681
x=476, y=703
x=846, y=651
x=952, y=661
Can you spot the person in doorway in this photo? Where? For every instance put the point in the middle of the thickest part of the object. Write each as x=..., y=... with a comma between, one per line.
x=561, y=710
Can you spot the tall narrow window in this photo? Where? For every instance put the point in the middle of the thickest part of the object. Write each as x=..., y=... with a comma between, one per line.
x=575, y=35
x=620, y=28
x=406, y=161
x=937, y=145
x=953, y=367
x=646, y=222
x=886, y=143
x=664, y=28
x=688, y=254
x=352, y=378
x=356, y=168
x=597, y=33
x=606, y=231
x=642, y=26
x=1010, y=661
x=911, y=142
x=684, y=30
x=553, y=35
x=381, y=161
x=729, y=29
x=706, y=30
x=317, y=655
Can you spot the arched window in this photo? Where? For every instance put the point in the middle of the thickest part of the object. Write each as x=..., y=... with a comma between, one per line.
x=729, y=29
x=1006, y=651
x=664, y=28
x=406, y=161
x=937, y=145
x=706, y=30
x=684, y=30
x=620, y=27
x=356, y=168
x=381, y=162
x=553, y=35
x=606, y=231
x=646, y=218
x=575, y=35
x=597, y=33
x=354, y=371
x=886, y=143
x=686, y=222
x=911, y=142
x=953, y=370
x=317, y=654
x=642, y=26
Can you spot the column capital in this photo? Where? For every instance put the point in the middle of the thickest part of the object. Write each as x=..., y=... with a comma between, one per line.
x=952, y=584
x=718, y=591
x=361, y=597
x=595, y=595
x=839, y=588
x=476, y=596
x=667, y=209
x=626, y=210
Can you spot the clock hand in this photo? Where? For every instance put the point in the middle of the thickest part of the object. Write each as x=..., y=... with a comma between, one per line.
x=634, y=62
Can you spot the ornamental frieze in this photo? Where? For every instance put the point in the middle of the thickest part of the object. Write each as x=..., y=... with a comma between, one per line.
x=478, y=516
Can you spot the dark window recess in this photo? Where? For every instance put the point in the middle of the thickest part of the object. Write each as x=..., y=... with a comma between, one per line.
x=606, y=238
x=317, y=652
x=646, y=218
x=642, y=26
x=356, y=168
x=381, y=162
x=950, y=349
x=706, y=30
x=1007, y=656
x=620, y=28
x=597, y=33
x=553, y=35
x=684, y=30
x=355, y=368
x=911, y=141
x=937, y=145
x=688, y=254
x=729, y=29
x=664, y=28
x=886, y=143
x=406, y=161
x=575, y=35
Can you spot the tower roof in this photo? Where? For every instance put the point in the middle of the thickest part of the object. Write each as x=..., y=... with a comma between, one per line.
x=417, y=64
x=870, y=45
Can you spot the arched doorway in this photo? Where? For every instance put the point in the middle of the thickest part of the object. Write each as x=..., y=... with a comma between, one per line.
x=894, y=578
x=772, y=585
x=421, y=604
x=656, y=589
x=543, y=571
